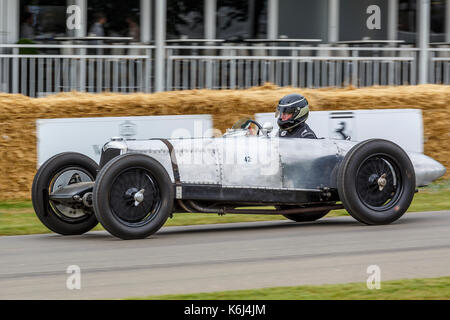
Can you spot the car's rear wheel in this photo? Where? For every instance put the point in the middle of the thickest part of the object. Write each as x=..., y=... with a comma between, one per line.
x=376, y=182
x=57, y=172
x=133, y=196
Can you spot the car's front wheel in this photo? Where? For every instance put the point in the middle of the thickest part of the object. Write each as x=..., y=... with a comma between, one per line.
x=133, y=196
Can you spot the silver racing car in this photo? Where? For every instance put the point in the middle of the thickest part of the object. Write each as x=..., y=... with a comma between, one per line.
x=139, y=184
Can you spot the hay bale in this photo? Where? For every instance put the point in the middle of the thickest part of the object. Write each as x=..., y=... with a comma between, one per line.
x=19, y=113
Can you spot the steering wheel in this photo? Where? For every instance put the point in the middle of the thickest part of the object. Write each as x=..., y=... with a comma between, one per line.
x=247, y=124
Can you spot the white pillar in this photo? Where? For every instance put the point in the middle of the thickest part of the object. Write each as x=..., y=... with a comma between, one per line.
x=82, y=32
x=392, y=19
x=83, y=27
x=272, y=19
x=14, y=15
x=146, y=21
x=12, y=26
x=333, y=20
x=210, y=19
x=160, y=39
x=210, y=33
x=447, y=21
x=423, y=23
x=3, y=21
x=10, y=21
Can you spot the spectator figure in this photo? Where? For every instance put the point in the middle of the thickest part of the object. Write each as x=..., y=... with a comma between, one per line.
x=133, y=29
x=26, y=28
x=97, y=29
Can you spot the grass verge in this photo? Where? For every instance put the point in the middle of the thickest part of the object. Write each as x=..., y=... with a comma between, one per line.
x=407, y=289
x=18, y=218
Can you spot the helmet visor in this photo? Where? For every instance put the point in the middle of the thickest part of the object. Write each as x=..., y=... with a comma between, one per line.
x=285, y=110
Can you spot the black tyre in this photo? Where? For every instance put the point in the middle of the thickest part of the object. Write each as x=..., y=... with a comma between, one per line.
x=133, y=196
x=376, y=182
x=307, y=216
x=58, y=171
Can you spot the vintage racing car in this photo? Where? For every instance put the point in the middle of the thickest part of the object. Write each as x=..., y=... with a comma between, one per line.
x=139, y=184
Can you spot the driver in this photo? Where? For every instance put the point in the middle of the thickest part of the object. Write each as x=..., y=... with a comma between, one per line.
x=292, y=112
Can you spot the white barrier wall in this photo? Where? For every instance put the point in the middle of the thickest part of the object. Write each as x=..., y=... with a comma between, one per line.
x=402, y=126
x=88, y=135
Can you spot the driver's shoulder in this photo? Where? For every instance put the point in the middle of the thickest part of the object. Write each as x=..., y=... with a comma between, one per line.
x=304, y=132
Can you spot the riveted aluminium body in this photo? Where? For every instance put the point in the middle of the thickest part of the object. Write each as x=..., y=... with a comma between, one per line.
x=261, y=161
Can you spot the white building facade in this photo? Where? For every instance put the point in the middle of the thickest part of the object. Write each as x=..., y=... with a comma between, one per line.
x=418, y=31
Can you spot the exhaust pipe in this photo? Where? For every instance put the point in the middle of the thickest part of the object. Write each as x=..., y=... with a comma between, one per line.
x=224, y=210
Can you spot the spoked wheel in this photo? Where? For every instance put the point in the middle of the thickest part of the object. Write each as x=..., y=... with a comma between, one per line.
x=60, y=171
x=133, y=196
x=376, y=181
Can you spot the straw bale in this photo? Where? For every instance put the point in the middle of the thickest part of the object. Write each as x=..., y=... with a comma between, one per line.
x=18, y=116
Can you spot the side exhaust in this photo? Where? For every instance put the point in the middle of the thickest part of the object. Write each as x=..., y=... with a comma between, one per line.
x=195, y=207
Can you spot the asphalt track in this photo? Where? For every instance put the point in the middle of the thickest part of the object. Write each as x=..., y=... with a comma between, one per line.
x=224, y=257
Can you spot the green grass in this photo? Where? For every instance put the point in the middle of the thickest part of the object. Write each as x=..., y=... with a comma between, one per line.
x=407, y=289
x=18, y=217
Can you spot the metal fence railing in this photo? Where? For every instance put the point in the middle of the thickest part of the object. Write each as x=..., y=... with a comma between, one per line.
x=37, y=70
x=439, y=69
x=82, y=68
x=242, y=67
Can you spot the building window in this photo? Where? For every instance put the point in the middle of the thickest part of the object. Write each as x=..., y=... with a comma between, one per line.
x=185, y=19
x=407, y=20
x=114, y=18
x=42, y=20
x=238, y=19
x=407, y=16
x=437, y=17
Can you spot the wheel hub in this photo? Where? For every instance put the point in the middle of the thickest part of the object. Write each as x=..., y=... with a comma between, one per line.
x=376, y=182
x=382, y=182
x=64, y=178
x=134, y=195
x=373, y=178
x=139, y=197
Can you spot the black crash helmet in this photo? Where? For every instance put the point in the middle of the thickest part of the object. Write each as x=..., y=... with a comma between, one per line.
x=294, y=104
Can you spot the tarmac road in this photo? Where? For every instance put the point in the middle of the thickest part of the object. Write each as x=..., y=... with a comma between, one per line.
x=224, y=257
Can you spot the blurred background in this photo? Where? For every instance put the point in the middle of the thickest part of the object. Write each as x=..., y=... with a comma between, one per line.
x=163, y=45
x=74, y=73
x=367, y=54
